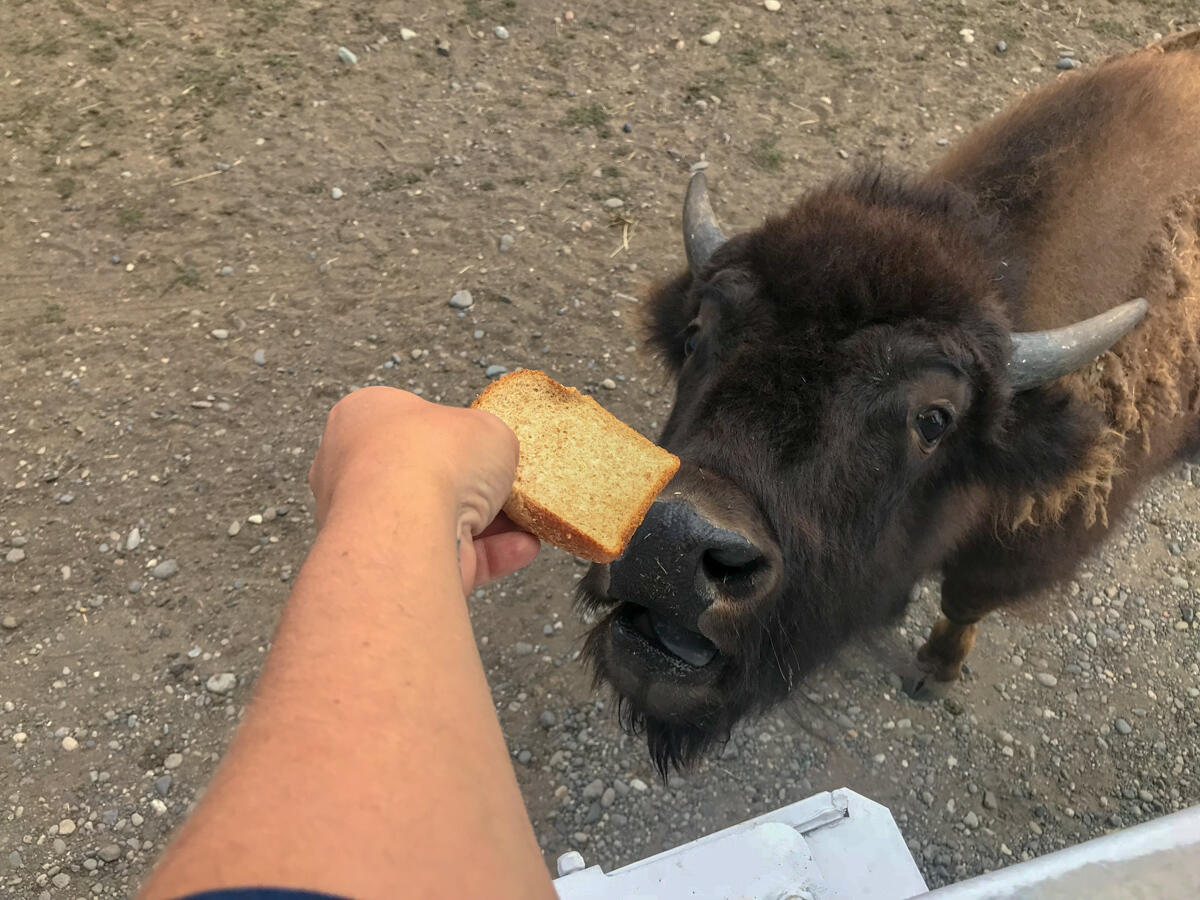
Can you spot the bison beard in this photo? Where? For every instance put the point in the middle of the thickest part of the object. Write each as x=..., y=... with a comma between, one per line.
x=855, y=407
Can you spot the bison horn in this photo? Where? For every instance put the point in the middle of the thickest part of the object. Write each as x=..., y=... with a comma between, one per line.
x=1039, y=357
x=701, y=233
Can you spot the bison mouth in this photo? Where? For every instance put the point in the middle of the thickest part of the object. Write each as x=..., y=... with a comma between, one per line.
x=649, y=632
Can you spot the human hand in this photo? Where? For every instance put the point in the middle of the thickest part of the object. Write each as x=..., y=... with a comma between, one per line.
x=386, y=445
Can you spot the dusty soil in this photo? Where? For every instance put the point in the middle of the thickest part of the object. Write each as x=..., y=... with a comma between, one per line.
x=182, y=298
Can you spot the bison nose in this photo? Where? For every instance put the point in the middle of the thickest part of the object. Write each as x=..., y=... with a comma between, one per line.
x=679, y=563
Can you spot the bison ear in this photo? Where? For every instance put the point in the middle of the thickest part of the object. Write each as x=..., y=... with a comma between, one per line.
x=669, y=311
x=1043, y=442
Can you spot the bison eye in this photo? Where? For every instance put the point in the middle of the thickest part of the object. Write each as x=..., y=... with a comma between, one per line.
x=932, y=423
x=690, y=339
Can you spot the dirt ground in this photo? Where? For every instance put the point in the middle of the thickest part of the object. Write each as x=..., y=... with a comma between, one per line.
x=211, y=227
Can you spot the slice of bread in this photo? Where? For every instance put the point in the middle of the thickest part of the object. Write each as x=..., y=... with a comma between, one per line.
x=585, y=479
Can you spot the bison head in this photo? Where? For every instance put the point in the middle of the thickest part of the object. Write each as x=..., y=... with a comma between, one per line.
x=848, y=398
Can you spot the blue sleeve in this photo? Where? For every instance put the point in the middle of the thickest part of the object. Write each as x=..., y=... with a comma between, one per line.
x=260, y=893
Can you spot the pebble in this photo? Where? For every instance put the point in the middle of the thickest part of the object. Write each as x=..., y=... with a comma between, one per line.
x=407, y=34
x=260, y=357
x=234, y=528
x=967, y=35
x=1001, y=46
x=989, y=800
x=524, y=757
x=772, y=5
x=608, y=384
x=9, y=622
x=165, y=569
x=638, y=785
x=1046, y=679
x=462, y=300
x=220, y=334
x=69, y=743
x=162, y=785
x=222, y=683
x=110, y=853
x=506, y=242
x=15, y=555
x=14, y=860
x=494, y=371
x=347, y=56
x=613, y=203
x=1179, y=581
x=500, y=32
x=226, y=271
x=1091, y=639
x=547, y=719
x=66, y=826
x=61, y=880
x=158, y=806
x=443, y=48
x=971, y=820
x=134, y=540
x=710, y=39
x=522, y=648
x=594, y=790
x=1067, y=63
x=135, y=586
x=337, y=193
x=1122, y=726
x=627, y=128
x=173, y=761
x=136, y=820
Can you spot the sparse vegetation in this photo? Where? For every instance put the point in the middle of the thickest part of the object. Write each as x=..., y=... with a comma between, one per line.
x=130, y=217
x=590, y=115
x=765, y=154
x=1110, y=29
x=836, y=53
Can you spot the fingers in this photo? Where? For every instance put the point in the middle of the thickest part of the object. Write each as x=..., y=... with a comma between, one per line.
x=502, y=553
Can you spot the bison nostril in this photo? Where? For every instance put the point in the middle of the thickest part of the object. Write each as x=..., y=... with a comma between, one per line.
x=732, y=568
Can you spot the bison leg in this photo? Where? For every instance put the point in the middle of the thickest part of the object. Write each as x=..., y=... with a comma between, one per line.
x=943, y=655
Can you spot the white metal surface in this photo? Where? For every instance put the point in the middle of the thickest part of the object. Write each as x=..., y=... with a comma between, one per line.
x=833, y=846
x=1159, y=859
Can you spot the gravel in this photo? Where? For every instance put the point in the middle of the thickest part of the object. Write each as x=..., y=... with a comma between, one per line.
x=15, y=555
x=494, y=371
x=710, y=39
x=168, y=568
x=500, y=32
x=1046, y=679
x=347, y=56
x=222, y=683
x=110, y=852
x=260, y=357
x=9, y=623
x=173, y=761
x=337, y=193
x=506, y=242
x=1123, y=726
x=1068, y=63
x=462, y=300
x=69, y=743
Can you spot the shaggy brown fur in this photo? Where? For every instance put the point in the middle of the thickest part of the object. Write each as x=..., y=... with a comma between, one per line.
x=805, y=352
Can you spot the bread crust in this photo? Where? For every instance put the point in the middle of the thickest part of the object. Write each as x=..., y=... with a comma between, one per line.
x=547, y=525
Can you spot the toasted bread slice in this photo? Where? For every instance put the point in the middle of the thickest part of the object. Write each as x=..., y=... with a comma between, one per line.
x=585, y=479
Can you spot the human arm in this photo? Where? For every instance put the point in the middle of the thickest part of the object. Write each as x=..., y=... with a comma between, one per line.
x=370, y=762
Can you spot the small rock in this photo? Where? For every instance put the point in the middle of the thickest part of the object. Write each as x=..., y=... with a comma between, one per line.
x=521, y=648
x=260, y=357
x=407, y=34
x=173, y=761
x=500, y=32
x=66, y=826
x=989, y=800
x=594, y=790
x=1091, y=639
x=225, y=271
x=772, y=5
x=337, y=193
x=234, y=529
x=494, y=371
x=971, y=820
x=462, y=300
x=255, y=518
x=1046, y=679
x=506, y=242
x=14, y=860
x=61, y=880
x=160, y=808
x=443, y=48
x=162, y=785
x=547, y=719
x=1123, y=726
x=967, y=35
x=136, y=820
x=69, y=743
x=627, y=128
x=220, y=334
x=165, y=569
x=1001, y=46
x=110, y=853
x=10, y=623
x=608, y=384
x=222, y=683
x=135, y=586
x=638, y=785
x=15, y=555
x=134, y=540
x=66, y=499
x=347, y=56
x=710, y=39
x=613, y=203
x=1067, y=63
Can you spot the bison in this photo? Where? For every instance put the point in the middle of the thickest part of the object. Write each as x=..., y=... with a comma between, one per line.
x=969, y=372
